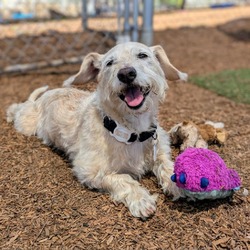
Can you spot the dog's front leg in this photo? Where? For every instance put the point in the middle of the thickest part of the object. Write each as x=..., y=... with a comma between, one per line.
x=163, y=169
x=123, y=188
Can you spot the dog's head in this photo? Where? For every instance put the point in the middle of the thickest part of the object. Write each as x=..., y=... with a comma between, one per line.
x=130, y=76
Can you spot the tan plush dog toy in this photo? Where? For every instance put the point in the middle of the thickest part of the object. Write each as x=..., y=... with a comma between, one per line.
x=189, y=134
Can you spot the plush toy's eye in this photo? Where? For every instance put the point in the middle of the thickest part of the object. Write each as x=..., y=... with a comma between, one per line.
x=142, y=55
x=110, y=63
x=204, y=182
x=173, y=178
x=182, y=178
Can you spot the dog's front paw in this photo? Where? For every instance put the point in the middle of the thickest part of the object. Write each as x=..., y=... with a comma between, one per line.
x=142, y=204
x=171, y=189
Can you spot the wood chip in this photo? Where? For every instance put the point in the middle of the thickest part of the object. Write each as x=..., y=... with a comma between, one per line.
x=220, y=241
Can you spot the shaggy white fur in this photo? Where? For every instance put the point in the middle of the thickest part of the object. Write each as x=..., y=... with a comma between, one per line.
x=131, y=83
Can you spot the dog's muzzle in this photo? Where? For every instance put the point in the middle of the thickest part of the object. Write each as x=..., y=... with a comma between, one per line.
x=133, y=95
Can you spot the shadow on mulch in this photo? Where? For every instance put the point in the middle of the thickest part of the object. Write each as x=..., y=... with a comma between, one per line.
x=238, y=29
x=193, y=207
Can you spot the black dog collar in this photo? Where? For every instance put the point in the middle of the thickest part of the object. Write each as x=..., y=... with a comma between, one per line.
x=123, y=134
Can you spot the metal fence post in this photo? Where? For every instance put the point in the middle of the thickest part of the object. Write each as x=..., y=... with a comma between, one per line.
x=125, y=35
x=84, y=15
x=147, y=27
x=135, y=20
x=126, y=18
x=119, y=15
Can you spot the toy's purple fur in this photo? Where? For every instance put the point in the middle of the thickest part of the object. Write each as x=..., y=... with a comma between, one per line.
x=196, y=163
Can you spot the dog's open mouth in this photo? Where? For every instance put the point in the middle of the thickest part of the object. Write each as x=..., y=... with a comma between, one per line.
x=134, y=96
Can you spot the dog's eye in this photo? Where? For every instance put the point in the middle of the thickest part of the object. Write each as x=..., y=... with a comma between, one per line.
x=142, y=55
x=109, y=63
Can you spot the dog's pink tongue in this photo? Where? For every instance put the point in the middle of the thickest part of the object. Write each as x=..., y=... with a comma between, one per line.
x=134, y=97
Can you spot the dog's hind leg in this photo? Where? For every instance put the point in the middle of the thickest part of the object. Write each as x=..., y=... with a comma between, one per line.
x=123, y=188
x=25, y=115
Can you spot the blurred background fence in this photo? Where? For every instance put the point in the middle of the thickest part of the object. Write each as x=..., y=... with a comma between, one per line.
x=39, y=33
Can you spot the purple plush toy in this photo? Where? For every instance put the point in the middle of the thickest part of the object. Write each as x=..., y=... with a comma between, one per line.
x=202, y=174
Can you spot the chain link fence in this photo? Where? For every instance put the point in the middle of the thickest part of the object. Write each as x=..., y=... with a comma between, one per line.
x=39, y=33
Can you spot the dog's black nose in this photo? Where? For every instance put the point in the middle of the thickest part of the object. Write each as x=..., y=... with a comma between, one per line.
x=127, y=75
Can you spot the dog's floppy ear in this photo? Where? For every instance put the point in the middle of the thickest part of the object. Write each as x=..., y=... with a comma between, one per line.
x=88, y=72
x=171, y=73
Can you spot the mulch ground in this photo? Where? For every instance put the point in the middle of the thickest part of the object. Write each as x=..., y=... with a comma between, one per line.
x=42, y=206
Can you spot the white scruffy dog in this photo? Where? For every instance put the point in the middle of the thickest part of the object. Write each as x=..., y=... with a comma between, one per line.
x=111, y=135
